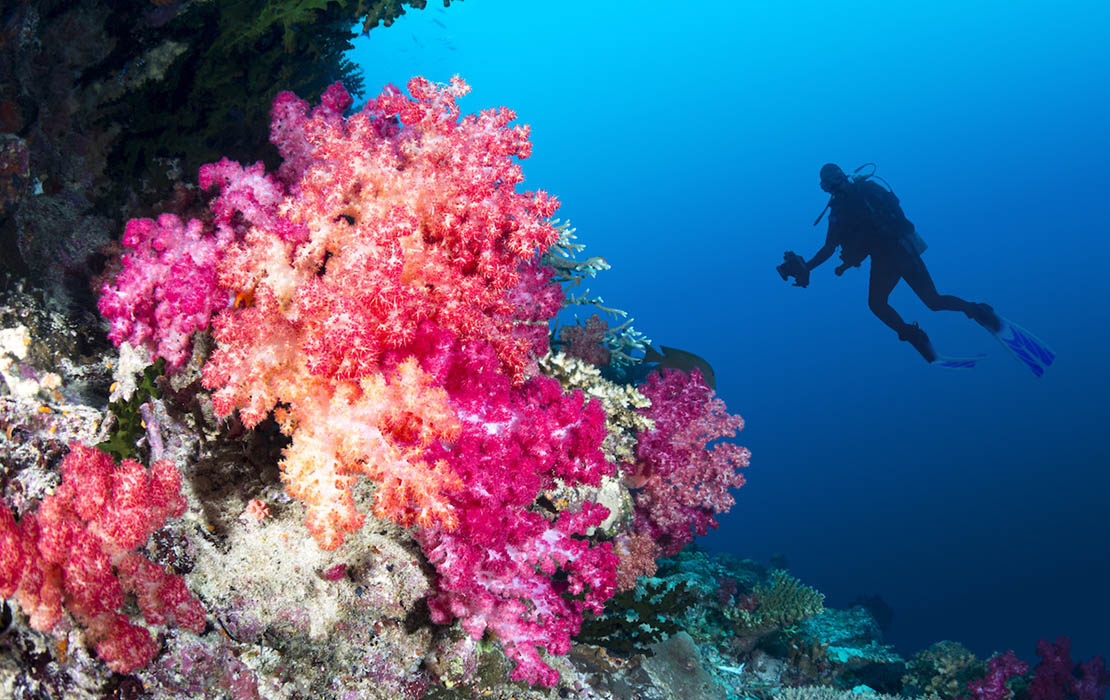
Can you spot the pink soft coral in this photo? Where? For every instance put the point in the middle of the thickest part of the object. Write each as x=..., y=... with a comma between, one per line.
x=1056, y=677
x=683, y=482
x=1000, y=670
x=167, y=288
x=76, y=554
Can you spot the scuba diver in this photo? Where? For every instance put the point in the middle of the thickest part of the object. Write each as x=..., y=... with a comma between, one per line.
x=866, y=219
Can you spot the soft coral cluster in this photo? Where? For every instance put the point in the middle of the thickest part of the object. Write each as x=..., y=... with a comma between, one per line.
x=389, y=305
x=77, y=553
x=1056, y=677
x=526, y=574
x=402, y=214
x=682, y=481
x=382, y=296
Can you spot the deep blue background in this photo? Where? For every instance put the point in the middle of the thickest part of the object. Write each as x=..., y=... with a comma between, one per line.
x=685, y=147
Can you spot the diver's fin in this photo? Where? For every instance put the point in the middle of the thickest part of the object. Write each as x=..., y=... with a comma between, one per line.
x=968, y=362
x=1026, y=347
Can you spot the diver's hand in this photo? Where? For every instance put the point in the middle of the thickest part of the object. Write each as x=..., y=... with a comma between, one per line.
x=841, y=268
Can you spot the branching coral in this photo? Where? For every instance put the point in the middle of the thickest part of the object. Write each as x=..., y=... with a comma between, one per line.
x=782, y=602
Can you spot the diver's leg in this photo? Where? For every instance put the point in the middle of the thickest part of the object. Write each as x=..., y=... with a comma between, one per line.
x=884, y=277
x=921, y=282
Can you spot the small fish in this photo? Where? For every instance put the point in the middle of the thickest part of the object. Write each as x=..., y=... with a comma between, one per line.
x=439, y=23
x=683, y=360
x=734, y=670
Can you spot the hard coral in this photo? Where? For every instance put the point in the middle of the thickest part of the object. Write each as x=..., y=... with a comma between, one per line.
x=76, y=553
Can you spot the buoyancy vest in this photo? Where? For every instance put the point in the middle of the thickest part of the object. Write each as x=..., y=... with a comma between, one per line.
x=870, y=219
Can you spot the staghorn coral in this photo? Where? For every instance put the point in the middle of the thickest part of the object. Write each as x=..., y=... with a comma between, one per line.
x=782, y=602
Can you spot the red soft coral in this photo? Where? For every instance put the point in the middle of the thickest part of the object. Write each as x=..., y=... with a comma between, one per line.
x=586, y=341
x=681, y=481
x=75, y=553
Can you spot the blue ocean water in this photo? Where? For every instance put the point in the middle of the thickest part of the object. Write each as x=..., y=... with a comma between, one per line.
x=685, y=145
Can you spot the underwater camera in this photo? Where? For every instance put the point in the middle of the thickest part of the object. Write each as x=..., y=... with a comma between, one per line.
x=794, y=265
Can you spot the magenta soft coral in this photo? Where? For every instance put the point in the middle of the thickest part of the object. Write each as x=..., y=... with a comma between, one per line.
x=76, y=554
x=682, y=481
x=994, y=685
x=1057, y=677
x=509, y=568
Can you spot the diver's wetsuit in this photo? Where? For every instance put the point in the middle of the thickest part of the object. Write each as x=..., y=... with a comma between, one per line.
x=895, y=255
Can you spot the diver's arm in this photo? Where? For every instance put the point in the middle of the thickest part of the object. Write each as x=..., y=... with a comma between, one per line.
x=826, y=250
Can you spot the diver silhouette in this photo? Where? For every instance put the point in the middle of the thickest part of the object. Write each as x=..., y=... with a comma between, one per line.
x=866, y=219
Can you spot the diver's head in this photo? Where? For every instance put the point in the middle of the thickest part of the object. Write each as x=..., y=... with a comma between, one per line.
x=833, y=178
